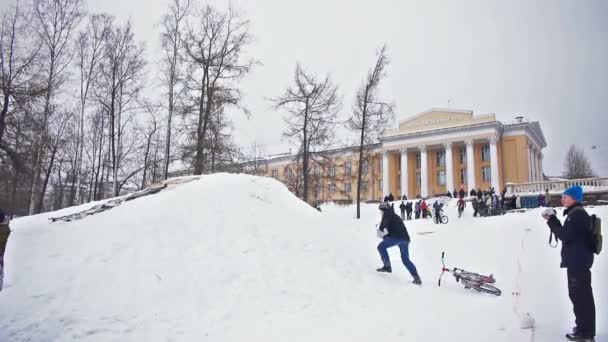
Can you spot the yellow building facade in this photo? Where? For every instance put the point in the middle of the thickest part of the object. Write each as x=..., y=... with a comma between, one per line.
x=431, y=153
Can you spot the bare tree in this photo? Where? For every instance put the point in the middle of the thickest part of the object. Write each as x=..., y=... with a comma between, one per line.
x=370, y=114
x=255, y=160
x=214, y=44
x=577, y=165
x=55, y=23
x=89, y=52
x=171, y=39
x=118, y=88
x=312, y=105
x=17, y=71
x=149, y=133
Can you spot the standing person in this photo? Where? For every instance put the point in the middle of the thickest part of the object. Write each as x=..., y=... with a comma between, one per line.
x=424, y=208
x=385, y=199
x=404, y=198
x=408, y=209
x=489, y=205
x=541, y=200
x=577, y=259
x=473, y=193
x=397, y=235
x=479, y=195
x=548, y=199
x=437, y=211
x=391, y=198
x=402, y=207
x=5, y=231
x=455, y=193
x=475, y=207
x=417, y=208
x=461, y=205
x=462, y=193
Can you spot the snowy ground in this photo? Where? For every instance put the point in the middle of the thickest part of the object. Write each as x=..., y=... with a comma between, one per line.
x=188, y=264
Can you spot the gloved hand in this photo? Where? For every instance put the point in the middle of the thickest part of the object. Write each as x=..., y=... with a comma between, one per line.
x=547, y=213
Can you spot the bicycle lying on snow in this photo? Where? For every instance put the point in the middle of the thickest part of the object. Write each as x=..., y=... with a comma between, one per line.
x=477, y=282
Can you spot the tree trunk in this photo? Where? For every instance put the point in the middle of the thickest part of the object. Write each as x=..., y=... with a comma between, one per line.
x=46, y=178
x=42, y=137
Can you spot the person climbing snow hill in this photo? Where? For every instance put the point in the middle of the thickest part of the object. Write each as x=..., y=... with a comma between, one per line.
x=397, y=235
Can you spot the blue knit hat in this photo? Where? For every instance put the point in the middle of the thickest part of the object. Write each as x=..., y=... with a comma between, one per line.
x=576, y=192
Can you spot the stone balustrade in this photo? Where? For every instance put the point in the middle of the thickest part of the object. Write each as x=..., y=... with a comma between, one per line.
x=557, y=186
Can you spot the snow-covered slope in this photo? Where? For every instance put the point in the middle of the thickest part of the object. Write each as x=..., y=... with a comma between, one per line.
x=235, y=258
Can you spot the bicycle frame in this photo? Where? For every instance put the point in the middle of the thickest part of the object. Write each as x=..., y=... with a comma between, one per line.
x=469, y=277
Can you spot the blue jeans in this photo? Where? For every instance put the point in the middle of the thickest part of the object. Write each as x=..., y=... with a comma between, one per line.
x=388, y=242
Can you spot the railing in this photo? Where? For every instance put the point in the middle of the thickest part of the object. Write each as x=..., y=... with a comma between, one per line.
x=557, y=186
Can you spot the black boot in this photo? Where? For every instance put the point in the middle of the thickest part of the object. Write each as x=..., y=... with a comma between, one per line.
x=578, y=337
x=417, y=281
x=386, y=269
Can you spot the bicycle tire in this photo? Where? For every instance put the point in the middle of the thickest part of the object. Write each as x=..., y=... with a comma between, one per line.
x=444, y=219
x=487, y=288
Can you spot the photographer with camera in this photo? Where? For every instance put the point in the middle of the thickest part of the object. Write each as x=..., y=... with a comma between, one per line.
x=577, y=257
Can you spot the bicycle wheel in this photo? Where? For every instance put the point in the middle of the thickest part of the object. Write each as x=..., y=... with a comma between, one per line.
x=487, y=288
x=444, y=219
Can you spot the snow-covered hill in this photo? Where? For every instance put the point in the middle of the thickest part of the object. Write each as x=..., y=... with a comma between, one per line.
x=239, y=258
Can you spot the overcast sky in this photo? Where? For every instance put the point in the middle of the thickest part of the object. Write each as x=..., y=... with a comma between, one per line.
x=546, y=60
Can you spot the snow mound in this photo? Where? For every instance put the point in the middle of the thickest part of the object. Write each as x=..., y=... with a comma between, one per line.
x=236, y=258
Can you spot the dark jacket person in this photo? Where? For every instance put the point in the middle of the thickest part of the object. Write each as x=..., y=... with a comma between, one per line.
x=397, y=235
x=577, y=258
x=5, y=231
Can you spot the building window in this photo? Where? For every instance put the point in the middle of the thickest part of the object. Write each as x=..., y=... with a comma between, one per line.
x=463, y=155
x=365, y=167
x=347, y=168
x=317, y=170
x=486, y=174
x=347, y=188
x=331, y=188
x=485, y=152
x=418, y=180
x=441, y=158
x=275, y=173
x=380, y=185
x=441, y=177
x=363, y=186
x=332, y=170
x=418, y=161
x=288, y=173
x=463, y=176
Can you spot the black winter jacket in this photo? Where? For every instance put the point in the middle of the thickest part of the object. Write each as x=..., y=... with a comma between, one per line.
x=394, y=226
x=576, y=237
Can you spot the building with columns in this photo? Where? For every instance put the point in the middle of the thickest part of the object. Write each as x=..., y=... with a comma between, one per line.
x=431, y=153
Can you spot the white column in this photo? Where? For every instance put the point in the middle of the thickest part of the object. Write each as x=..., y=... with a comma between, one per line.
x=494, y=165
x=530, y=173
x=404, y=175
x=385, y=174
x=471, y=166
x=424, y=177
x=449, y=167
x=540, y=166
x=534, y=165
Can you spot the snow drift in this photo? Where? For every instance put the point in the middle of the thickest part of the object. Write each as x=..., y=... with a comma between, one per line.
x=234, y=258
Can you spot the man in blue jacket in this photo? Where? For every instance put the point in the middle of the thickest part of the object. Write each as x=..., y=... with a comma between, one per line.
x=397, y=235
x=577, y=258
